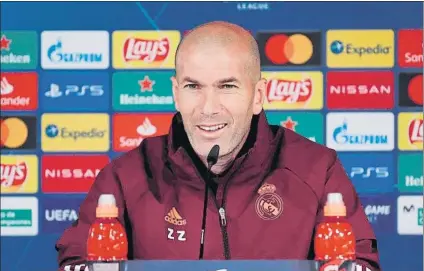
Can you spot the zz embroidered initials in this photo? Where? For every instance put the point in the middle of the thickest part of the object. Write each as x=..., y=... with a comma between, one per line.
x=178, y=235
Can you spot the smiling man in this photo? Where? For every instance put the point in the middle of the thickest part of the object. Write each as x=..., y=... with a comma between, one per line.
x=218, y=89
x=271, y=182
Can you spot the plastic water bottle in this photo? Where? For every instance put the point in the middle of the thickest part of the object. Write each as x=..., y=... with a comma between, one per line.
x=107, y=239
x=335, y=243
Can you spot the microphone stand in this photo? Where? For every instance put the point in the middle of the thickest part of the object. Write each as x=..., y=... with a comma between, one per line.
x=212, y=159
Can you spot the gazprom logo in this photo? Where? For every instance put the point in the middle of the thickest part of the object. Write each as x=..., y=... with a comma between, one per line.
x=341, y=135
x=337, y=47
x=57, y=54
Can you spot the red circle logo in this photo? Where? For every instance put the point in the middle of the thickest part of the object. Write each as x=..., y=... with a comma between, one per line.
x=415, y=89
x=281, y=49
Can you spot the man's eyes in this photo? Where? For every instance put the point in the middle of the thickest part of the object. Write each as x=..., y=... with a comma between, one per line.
x=191, y=86
x=228, y=86
x=196, y=86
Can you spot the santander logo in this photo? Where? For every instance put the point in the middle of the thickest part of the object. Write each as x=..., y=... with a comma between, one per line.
x=416, y=131
x=146, y=50
x=13, y=174
x=147, y=128
x=290, y=91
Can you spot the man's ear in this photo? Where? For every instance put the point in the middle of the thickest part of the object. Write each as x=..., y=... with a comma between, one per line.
x=259, y=96
x=175, y=91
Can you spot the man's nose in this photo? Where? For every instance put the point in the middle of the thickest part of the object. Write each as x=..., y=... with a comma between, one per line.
x=211, y=103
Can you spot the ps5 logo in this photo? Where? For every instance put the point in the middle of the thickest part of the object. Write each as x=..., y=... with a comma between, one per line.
x=369, y=172
x=84, y=90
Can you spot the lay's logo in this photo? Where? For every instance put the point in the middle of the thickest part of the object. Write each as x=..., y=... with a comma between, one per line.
x=415, y=132
x=147, y=50
x=19, y=174
x=144, y=49
x=410, y=131
x=293, y=90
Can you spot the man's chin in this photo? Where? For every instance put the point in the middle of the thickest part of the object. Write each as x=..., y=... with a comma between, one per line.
x=203, y=148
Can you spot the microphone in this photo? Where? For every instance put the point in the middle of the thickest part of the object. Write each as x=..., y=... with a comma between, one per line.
x=211, y=159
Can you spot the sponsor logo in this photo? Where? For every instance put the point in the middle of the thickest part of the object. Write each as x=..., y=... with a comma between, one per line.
x=75, y=91
x=410, y=173
x=381, y=212
x=410, y=48
x=142, y=91
x=70, y=174
x=360, y=90
x=18, y=50
x=18, y=132
x=175, y=218
x=410, y=131
x=19, y=91
x=360, y=48
x=19, y=174
x=75, y=132
x=59, y=214
x=290, y=48
x=309, y=125
x=19, y=216
x=269, y=205
x=410, y=215
x=370, y=173
x=411, y=90
x=144, y=49
x=129, y=130
x=293, y=90
x=360, y=131
x=74, y=49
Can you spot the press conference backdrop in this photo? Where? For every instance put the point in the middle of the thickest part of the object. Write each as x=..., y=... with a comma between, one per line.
x=84, y=82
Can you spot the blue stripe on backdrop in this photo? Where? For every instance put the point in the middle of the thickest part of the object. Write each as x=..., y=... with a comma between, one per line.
x=37, y=253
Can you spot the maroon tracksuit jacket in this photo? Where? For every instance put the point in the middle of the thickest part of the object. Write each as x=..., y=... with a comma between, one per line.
x=273, y=195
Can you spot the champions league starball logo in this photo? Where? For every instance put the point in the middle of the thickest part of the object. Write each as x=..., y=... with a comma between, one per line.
x=269, y=205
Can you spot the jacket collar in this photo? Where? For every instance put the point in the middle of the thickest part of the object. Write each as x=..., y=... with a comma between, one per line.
x=253, y=161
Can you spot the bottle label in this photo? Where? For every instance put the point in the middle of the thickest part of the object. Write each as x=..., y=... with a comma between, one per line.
x=104, y=267
x=337, y=265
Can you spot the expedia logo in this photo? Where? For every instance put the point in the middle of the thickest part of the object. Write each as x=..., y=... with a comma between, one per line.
x=338, y=47
x=360, y=48
x=53, y=131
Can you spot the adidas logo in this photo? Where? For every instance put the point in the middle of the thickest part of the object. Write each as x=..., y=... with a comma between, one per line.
x=174, y=217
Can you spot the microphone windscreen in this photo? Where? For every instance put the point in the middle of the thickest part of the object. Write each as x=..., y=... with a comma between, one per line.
x=213, y=155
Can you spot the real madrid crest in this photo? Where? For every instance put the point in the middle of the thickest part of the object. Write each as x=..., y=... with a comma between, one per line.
x=269, y=205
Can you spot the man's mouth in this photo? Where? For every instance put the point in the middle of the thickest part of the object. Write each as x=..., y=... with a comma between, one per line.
x=212, y=128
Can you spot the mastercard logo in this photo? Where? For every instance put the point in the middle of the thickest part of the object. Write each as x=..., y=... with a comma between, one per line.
x=282, y=49
x=16, y=133
x=415, y=89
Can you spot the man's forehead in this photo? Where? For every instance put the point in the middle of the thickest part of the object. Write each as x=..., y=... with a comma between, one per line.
x=211, y=71
x=222, y=62
x=223, y=80
x=223, y=46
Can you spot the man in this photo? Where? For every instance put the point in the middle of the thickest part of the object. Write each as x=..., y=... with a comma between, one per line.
x=271, y=182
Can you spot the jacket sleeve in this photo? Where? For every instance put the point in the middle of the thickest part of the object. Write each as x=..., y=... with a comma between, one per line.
x=366, y=243
x=71, y=246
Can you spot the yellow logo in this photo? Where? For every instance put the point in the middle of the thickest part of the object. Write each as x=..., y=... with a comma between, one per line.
x=360, y=48
x=75, y=132
x=144, y=49
x=19, y=174
x=175, y=218
x=410, y=131
x=293, y=90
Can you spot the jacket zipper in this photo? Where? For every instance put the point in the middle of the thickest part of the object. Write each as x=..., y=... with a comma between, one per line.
x=223, y=223
x=222, y=217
